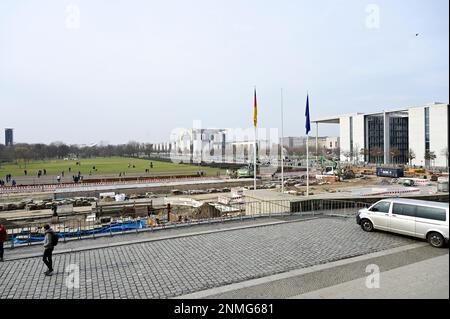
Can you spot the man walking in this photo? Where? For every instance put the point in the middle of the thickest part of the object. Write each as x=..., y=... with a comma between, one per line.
x=48, y=249
x=3, y=238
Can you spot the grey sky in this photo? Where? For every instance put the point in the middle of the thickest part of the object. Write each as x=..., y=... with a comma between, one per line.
x=134, y=70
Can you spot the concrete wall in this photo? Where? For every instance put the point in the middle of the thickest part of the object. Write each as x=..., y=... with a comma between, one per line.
x=438, y=133
x=344, y=131
x=416, y=134
x=358, y=135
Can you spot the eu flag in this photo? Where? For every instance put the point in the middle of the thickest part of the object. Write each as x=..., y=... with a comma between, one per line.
x=307, y=124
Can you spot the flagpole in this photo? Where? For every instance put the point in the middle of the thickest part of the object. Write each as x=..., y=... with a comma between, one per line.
x=254, y=166
x=282, y=141
x=308, y=128
x=307, y=164
x=255, y=121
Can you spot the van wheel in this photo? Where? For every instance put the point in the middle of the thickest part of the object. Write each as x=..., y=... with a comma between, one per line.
x=436, y=240
x=366, y=225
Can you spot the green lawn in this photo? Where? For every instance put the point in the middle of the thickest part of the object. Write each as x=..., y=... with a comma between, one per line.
x=110, y=165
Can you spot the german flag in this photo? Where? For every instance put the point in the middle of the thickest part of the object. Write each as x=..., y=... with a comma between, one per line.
x=255, y=112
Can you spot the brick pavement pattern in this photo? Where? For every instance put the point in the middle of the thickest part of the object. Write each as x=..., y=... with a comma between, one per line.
x=179, y=266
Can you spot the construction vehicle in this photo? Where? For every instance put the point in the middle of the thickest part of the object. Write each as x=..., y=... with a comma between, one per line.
x=328, y=167
x=414, y=172
x=245, y=171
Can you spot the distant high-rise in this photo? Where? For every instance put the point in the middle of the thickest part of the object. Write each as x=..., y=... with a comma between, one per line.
x=9, y=136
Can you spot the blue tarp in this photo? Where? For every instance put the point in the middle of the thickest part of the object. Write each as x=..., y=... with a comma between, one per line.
x=114, y=227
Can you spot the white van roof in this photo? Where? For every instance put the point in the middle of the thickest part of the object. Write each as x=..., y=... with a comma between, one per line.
x=417, y=202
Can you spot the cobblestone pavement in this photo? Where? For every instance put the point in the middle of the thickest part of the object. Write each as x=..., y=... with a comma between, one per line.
x=179, y=266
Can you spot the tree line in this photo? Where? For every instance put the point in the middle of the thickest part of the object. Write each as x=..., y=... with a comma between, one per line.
x=58, y=150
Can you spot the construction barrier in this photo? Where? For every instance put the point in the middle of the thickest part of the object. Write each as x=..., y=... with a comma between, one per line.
x=56, y=187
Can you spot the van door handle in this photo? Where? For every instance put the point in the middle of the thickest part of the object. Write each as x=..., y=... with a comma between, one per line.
x=394, y=215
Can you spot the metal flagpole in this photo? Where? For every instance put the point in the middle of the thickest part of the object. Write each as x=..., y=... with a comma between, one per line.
x=254, y=166
x=308, y=128
x=307, y=165
x=255, y=121
x=282, y=142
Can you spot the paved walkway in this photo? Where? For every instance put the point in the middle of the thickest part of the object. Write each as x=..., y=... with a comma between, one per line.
x=183, y=265
x=146, y=235
x=428, y=279
x=411, y=271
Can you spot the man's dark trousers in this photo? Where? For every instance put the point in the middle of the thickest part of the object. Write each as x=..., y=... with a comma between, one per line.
x=47, y=258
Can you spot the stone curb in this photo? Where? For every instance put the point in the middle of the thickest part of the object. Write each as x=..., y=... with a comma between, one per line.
x=294, y=273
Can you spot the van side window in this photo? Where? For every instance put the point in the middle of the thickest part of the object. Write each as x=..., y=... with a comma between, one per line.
x=431, y=213
x=404, y=209
x=382, y=207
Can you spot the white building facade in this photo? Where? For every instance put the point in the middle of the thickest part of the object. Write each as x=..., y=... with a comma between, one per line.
x=389, y=137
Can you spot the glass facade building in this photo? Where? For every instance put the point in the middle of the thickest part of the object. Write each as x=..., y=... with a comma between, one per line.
x=427, y=135
x=375, y=138
x=398, y=138
x=9, y=139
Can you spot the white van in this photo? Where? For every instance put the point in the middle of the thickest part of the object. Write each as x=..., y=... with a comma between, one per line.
x=418, y=218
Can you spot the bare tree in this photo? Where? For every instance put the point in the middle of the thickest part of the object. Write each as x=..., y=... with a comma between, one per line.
x=445, y=153
x=430, y=157
x=364, y=152
x=395, y=153
x=411, y=156
x=347, y=155
x=378, y=153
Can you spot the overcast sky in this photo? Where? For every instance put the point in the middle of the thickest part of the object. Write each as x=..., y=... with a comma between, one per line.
x=134, y=70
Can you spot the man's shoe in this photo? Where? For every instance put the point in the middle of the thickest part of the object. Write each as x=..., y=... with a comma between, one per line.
x=49, y=273
x=1, y=260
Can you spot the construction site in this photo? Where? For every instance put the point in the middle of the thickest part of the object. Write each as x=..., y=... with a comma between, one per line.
x=96, y=209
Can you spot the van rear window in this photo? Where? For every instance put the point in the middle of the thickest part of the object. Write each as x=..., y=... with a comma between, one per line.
x=431, y=213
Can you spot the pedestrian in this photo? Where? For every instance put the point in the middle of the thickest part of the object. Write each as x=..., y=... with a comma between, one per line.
x=25, y=172
x=3, y=238
x=13, y=182
x=55, y=210
x=58, y=178
x=70, y=169
x=62, y=173
x=49, y=245
x=45, y=172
